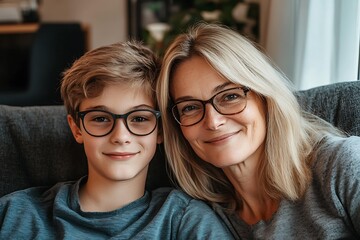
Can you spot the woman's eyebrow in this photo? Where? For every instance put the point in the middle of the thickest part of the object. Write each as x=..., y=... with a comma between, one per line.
x=214, y=91
x=221, y=87
x=183, y=98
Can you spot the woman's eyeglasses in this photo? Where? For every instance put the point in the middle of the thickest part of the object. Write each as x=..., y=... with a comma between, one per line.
x=227, y=102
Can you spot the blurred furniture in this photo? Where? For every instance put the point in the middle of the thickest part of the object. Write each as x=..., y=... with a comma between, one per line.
x=37, y=147
x=15, y=45
x=55, y=46
x=18, y=28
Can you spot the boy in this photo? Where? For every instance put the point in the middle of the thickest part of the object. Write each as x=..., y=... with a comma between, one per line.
x=110, y=99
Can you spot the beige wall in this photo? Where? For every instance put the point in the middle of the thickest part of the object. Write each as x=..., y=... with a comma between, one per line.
x=107, y=19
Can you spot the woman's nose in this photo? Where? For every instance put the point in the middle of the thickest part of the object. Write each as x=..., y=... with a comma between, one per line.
x=213, y=119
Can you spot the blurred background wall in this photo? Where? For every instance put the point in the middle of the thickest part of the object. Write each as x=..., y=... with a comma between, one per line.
x=107, y=19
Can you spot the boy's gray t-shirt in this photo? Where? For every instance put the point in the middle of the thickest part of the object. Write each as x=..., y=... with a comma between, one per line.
x=330, y=208
x=40, y=213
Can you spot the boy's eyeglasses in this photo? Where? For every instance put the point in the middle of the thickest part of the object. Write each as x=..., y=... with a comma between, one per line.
x=99, y=123
x=227, y=102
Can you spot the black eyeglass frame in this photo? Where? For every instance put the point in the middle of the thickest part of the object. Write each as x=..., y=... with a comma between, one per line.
x=204, y=102
x=82, y=114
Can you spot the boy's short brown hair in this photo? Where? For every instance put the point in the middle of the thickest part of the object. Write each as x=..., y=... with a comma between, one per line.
x=128, y=62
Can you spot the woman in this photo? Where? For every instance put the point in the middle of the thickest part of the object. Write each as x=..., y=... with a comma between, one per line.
x=236, y=137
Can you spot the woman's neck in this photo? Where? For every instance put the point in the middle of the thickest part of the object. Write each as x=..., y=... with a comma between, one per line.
x=254, y=210
x=255, y=204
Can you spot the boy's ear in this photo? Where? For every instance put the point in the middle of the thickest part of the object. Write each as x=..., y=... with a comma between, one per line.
x=76, y=131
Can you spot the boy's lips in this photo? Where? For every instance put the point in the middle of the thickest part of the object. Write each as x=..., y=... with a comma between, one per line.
x=222, y=137
x=121, y=154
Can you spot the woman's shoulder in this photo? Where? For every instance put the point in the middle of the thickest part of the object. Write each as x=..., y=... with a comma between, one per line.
x=337, y=157
x=336, y=166
x=337, y=152
x=336, y=175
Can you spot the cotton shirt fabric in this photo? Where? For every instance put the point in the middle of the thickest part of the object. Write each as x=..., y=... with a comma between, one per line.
x=330, y=208
x=41, y=213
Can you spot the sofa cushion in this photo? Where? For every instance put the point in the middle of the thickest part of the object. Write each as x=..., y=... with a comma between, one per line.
x=337, y=103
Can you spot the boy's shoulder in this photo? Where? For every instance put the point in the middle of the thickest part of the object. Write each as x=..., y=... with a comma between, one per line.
x=171, y=193
x=175, y=197
x=23, y=195
x=191, y=217
x=32, y=196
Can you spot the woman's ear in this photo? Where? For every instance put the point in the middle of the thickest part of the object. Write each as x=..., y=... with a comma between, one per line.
x=160, y=136
x=76, y=131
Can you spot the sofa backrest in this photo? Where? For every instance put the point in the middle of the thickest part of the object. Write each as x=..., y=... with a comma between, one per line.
x=37, y=147
x=337, y=103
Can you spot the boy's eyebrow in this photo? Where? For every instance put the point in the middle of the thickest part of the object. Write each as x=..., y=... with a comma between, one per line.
x=99, y=107
x=143, y=106
x=103, y=107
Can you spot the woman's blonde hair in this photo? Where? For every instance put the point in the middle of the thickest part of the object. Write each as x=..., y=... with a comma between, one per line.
x=291, y=133
x=127, y=62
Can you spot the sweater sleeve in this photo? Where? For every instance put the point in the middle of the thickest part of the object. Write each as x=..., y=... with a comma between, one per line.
x=199, y=221
x=340, y=170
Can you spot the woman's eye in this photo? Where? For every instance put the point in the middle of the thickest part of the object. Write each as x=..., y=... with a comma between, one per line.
x=230, y=97
x=190, y=109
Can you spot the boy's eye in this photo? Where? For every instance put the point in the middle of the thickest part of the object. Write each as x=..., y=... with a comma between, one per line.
x=97, y=117
x=139, y=119
x=101, y=119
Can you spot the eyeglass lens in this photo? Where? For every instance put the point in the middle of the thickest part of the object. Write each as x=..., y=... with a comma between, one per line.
x=138, y=122
x=227, y=102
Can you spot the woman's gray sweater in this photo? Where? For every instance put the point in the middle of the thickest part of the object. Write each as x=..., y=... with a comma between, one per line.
x=330, y=208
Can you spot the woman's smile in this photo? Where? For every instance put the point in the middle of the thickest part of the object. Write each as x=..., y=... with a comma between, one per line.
x=222, y=138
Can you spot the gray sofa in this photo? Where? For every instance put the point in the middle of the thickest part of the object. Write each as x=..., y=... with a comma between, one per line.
x=37, y=148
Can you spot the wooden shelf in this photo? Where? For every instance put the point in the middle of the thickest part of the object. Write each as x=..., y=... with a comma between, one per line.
x=18, y=28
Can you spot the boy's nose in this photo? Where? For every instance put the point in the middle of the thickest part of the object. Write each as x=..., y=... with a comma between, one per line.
x=120, y=133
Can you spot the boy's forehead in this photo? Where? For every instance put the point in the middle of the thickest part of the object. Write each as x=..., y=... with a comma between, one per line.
x=121, y=97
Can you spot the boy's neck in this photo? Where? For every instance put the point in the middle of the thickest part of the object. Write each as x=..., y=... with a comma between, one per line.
x=105, y=195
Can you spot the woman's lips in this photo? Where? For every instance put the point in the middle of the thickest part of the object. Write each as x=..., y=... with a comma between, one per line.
x=222, y=137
